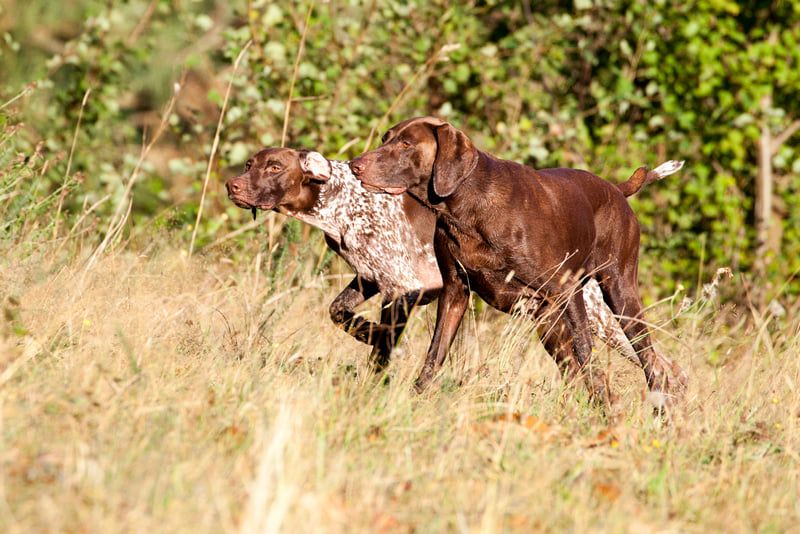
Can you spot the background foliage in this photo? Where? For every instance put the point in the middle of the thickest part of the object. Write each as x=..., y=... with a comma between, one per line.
x=604, y=85
x=143, y=391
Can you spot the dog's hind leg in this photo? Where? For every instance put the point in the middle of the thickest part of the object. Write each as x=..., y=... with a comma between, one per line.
x=554, y=331
x=664, y=378
x=603, y=323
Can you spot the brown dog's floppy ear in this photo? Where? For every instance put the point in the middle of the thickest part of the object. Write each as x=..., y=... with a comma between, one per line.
x=315, y=166
x=456, y=158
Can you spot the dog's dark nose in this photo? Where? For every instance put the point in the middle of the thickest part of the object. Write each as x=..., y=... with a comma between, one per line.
x=233, y=187
x=357, y=166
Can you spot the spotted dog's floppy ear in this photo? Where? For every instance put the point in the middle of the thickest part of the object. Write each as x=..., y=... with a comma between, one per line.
x=456, y=158
x=315, y=166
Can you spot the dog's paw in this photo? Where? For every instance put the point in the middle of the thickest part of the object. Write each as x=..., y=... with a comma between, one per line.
x=424, y=380
x=670, y=392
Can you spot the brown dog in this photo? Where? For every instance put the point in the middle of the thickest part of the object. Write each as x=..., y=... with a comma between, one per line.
x=513, y=233
x=386, y=239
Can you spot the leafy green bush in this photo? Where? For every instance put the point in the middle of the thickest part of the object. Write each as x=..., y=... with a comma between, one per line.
x=603, y=85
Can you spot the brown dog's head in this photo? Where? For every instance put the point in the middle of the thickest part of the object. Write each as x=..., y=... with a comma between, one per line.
x=279, y=177
x=418, y=155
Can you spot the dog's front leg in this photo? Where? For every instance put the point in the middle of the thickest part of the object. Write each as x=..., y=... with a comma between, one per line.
x=452, y=304
x=343, y=308
x=394, y=317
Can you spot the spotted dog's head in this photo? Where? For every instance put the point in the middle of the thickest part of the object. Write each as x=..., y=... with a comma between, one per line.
x=279, y=178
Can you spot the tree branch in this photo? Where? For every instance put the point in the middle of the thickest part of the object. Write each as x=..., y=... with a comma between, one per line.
x=784, y=136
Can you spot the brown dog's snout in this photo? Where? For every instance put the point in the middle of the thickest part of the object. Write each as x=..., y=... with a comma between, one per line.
x=358, y=166
x=233, y=186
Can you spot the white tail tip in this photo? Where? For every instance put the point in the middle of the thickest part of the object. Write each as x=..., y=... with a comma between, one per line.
x=668, y=167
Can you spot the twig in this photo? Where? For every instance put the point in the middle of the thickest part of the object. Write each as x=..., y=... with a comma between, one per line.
x=230, y=235
x=69, y=161
x=75, y=226
x=77, y=128
x=118, y=219
x=215, y=145
x=355, y=47
x=294, y=74
x=309, y=98
x=253, y=33
x=28, y=88
x=440, y=55
x=347, y=145
x=137, y=31
x=32, y=348
x=784, y=136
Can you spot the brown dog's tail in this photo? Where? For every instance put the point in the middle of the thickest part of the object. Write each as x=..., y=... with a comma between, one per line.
x=641, y=176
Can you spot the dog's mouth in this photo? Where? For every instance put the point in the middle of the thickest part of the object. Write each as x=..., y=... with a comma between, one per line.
x=250, y=206
x=395, y=190
x=392, y=190
x=240, y=203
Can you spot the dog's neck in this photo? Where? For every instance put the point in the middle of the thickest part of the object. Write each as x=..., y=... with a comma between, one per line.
x=442, y=208
x=443, y=216
x=305, y=202
x=314, y=205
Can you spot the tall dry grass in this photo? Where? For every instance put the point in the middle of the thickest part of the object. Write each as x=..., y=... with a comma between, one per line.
x=163, y=393
x=144, y=388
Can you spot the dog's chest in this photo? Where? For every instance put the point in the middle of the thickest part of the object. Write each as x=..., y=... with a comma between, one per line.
x=470, y=249
x=488, y=272
x=373, y=233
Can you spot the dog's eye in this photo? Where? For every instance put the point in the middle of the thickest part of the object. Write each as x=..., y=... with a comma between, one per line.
x=274, y=168
x=405, y=144
x=248, y=165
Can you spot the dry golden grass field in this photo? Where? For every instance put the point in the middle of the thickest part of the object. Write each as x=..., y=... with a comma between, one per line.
x=155, y=392
x=155, y=382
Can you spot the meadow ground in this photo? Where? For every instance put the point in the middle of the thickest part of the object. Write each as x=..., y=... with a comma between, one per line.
x=145, y=388
x=153, y=392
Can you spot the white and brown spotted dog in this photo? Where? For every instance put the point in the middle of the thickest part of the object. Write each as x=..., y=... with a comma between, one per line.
x=386, y=239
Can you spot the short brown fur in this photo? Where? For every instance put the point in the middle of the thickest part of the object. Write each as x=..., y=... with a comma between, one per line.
x=508, y=231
